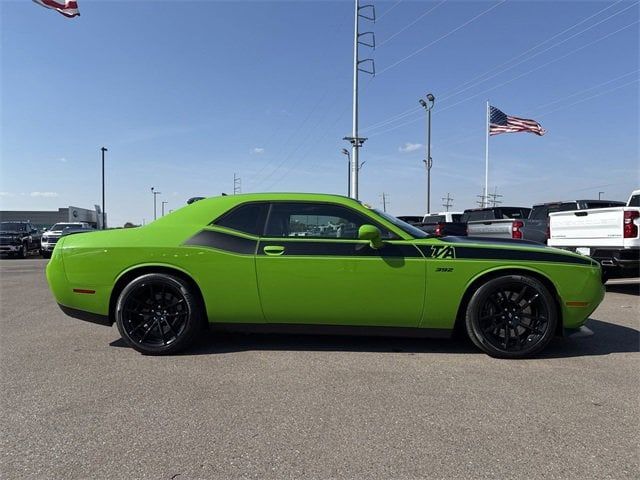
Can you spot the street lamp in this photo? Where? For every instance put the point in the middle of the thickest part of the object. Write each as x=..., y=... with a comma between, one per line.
x=164, y=202
x=428, y=162
x=346, y=152
x=103, y=222
x=155, y=193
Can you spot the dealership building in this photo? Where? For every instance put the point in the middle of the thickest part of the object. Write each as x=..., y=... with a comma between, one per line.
x=46, y=218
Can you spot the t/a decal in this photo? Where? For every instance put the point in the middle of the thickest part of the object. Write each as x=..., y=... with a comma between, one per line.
x=434, y=251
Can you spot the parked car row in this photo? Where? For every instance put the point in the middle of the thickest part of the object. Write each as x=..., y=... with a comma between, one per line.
x=606, y=230
x=22, y=238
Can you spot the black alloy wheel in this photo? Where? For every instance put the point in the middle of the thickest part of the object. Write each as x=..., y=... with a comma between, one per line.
x=158, y=314
x=512, y=316
x=24, y=251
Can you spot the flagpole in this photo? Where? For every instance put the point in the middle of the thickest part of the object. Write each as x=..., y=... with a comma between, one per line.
x=486, y=161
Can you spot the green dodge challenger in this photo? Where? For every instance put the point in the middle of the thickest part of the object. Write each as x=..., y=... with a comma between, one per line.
x=307, y=263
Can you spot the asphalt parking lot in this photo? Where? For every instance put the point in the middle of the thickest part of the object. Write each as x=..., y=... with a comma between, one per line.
x=77, y=403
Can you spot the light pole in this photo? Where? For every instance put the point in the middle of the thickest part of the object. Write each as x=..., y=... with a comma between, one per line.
x=164, y=202
x=155, y=193
x=346, y=152
x=428, y=162
x=600, y=195
x=103, y=150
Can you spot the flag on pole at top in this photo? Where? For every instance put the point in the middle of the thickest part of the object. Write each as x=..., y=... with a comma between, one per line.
x=500, y=122
x=68, y=8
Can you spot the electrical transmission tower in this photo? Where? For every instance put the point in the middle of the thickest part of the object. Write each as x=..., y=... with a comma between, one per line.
x=493, y=198
x=385, y=201
x=368, y=39
x=237, y=184
x=448, y=201
x=483, y=199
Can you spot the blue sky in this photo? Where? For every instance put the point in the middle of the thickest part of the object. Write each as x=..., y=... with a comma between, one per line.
x=185, y=94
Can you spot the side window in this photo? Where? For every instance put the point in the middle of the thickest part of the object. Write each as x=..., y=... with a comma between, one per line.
x=315, y=220
x=248, y=218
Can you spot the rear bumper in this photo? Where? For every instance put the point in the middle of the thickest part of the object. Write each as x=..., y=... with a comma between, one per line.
x=86, y=316
x=625, y=258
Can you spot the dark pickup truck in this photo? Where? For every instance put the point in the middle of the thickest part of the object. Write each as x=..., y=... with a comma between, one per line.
x=19, y=238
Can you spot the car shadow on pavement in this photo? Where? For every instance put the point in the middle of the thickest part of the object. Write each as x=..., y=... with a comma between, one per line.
x=213, y=342
x=628, y=288
x=608, y=338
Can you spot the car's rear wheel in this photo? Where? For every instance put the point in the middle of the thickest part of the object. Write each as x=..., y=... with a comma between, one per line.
x=158, y=314
x=45, y=254
x=511, y=316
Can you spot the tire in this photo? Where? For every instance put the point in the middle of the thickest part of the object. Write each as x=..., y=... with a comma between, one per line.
x=24, y=251
x=158, y=314
x=512, y=316
x=45, y=254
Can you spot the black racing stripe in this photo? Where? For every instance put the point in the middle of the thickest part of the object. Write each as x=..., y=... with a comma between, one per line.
x=507, y=254
x=223, y=241
x=495, y=241
x=340, y=249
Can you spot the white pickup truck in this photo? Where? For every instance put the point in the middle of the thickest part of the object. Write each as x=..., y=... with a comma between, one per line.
x=609, y=235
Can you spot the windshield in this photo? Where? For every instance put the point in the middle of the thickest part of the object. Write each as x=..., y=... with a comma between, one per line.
x=404, y=226
x=634, y=201
x=14, y=226
x=62, y=226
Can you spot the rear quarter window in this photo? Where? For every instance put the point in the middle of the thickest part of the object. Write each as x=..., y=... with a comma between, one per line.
x=248, y=218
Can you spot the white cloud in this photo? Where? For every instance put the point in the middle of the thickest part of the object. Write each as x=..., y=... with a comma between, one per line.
x=44, y=194
x=410, y=147
x=63, y=160
x=6, y=194
x=258, y=150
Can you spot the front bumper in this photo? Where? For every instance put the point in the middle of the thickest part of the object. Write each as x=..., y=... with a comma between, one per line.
x=47, y=247
x=10, y=248
x=86, y=316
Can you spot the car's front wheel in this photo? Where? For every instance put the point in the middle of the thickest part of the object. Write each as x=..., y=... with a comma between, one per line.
x=511, y=316
x=24, y=251
x=158, y=314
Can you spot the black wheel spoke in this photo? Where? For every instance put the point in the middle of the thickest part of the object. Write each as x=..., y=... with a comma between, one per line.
x=521, y=295
x=528, y=302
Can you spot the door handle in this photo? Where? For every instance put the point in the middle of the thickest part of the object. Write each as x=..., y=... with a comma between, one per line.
x=273, y=250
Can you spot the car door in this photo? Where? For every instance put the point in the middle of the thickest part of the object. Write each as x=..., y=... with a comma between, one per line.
x=311, y=268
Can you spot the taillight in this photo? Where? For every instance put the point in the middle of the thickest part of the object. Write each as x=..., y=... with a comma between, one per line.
x=630, y=229
x=439, y=228
x=515, y=229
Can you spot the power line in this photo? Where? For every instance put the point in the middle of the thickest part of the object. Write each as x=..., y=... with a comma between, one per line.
x=384, y=14
x=499, y=72
x=511, y=80
x=456, y=89
x=412, y=24
x=484, y=12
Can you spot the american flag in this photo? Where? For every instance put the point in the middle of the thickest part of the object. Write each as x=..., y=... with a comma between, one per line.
x=500, y=122
x=68, y=8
